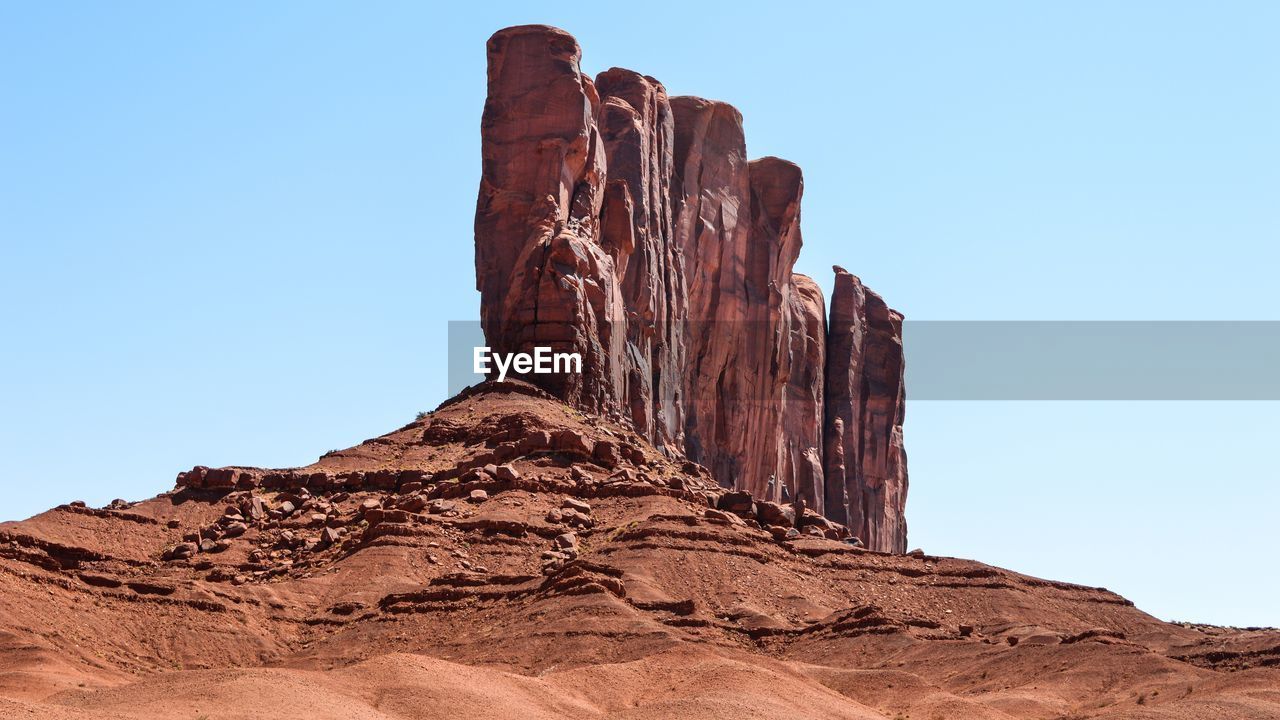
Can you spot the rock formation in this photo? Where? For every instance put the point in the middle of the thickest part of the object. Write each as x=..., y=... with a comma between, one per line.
x=638, y=131
x=544, y=278
x=865, y=465
x=712, y=232
x=800, y=457
x=631, y=228
x=508, y=555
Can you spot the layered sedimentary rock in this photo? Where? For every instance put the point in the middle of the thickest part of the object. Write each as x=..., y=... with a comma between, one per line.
x=500, y=557
x=631, y=228
x=866, y=465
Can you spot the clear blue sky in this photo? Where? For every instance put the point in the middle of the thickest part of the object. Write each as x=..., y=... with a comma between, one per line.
x=234, y=232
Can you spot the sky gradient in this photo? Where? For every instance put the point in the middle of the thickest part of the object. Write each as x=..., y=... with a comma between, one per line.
x=235, y=232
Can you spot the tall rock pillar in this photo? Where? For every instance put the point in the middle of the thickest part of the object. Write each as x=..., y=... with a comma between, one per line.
x=638, y=130
x=711, y=200
x=865, y=463
x=544, y=279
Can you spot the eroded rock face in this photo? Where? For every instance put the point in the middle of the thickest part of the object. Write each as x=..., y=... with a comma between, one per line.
x=800, y=453
x=630, y=227
x=712, y=201
x=544, y=280
x=766, y=362
x=638, y=131
x=866, y=465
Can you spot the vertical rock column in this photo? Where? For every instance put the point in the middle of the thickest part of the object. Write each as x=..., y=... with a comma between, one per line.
x=755, y=338
x=865, y=463
x=800, y=443
x=711, y=198
x=543, y=278
x=767, y=354
x=637, y=127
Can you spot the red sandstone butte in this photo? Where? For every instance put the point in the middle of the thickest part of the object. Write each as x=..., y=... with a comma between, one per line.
x=630, y=227
x=509, y=555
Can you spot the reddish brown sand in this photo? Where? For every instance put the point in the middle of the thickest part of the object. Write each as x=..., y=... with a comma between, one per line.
x=664, y=613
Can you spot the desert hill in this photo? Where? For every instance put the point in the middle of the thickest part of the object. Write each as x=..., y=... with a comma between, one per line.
x=523, y=559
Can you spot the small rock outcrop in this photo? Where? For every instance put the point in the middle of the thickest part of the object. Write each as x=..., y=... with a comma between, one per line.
x=630, y=227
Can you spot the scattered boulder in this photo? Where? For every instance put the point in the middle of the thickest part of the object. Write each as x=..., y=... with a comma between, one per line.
x=478, y=496
x=532, y=442
x=693, y=469
x=634, y=454
x=623, y=475
x=738, y=502
x=377, y=517
x=414, y=503
x=439, y=506
x=574, y=443
x=255, y=508
x=769, y=513
x=181, y=551
x=606, y=453
x=722, y=517
x=576, y=519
